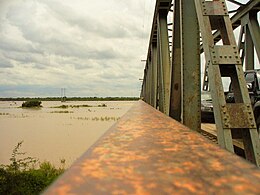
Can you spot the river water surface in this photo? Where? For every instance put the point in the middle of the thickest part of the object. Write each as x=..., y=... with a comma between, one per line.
x=52, y=133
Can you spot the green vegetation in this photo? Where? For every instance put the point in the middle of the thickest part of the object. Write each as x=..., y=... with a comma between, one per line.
x=79, y=106
x=32, y=104
x=102, y=105
x=106, y=118
x=3, y=113
x=62, y=106
x=65, y=111
x=73, y=99
x=22, y=176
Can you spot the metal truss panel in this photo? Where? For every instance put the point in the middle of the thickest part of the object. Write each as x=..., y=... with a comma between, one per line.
x=229, y=118
x=216, y=8
x=238, y=115
x=236, y=18
x=225, y=54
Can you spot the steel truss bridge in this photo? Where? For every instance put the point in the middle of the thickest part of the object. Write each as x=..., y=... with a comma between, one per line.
x=156, y=148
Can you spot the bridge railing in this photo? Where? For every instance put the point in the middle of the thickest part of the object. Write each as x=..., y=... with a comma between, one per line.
x=147, y=152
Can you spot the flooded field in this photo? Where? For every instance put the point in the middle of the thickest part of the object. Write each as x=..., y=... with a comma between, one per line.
x=58, y=130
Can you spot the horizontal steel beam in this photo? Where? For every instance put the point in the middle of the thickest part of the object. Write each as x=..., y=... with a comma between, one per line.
x=146, y=152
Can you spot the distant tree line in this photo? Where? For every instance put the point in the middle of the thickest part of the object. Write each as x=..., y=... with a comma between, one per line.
x=72, y=99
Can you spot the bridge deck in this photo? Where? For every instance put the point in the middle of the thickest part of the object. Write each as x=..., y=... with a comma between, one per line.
x=146, y=152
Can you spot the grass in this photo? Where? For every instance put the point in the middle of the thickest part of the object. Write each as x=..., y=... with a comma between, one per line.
x=63, y=111
x=22, y=177
x=79, y=106
x=106, y=118
x=3, y=114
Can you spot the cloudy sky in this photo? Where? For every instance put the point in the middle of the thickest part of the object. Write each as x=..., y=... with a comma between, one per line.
x=91, y=48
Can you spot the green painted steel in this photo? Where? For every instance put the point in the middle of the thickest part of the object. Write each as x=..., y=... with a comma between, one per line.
x=154, y=75
x=255, y=30
x=176, y=87
x=164, y=59
x=249, y=50
x=191, y=65
x=233, y=120
x=172, y=82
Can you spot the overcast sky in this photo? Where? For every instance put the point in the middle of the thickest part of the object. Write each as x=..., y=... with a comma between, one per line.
x=91, y=48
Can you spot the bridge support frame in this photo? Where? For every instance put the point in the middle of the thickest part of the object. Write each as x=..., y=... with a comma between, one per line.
x=224, y=61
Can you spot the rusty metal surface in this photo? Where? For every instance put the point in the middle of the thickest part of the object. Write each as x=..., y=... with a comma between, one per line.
x=146, y=152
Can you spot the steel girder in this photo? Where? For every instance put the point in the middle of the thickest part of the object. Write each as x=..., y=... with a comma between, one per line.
x=233, y=120
x=173, y=86
x=180, y=100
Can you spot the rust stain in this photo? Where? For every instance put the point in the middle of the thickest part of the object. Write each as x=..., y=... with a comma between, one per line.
x=147, y=152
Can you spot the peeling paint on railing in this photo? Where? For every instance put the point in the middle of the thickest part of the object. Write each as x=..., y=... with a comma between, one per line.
x=146, y=152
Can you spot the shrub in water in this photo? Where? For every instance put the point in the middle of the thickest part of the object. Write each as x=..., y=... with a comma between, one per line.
x=31, y=104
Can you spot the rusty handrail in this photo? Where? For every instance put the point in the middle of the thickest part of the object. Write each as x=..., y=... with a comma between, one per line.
x=146, y=152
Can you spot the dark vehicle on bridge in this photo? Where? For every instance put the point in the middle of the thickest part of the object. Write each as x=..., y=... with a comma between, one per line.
x=207, y=114
x=253, y=84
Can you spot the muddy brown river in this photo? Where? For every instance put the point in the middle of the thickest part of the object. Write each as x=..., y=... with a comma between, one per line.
x=53, y=133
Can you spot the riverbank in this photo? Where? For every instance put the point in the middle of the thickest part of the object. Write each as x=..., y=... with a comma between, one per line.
x=72, y=99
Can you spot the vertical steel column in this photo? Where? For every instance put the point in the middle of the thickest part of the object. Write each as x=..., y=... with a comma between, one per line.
x=249, y=50
x=164, y=59
x=154, y=74
x=248, y=44
x=176, y=87
x=145, y=85
x=160, y=77
x=255, y=31
x=191, y=65
x=149, y=63
x=148, y=80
